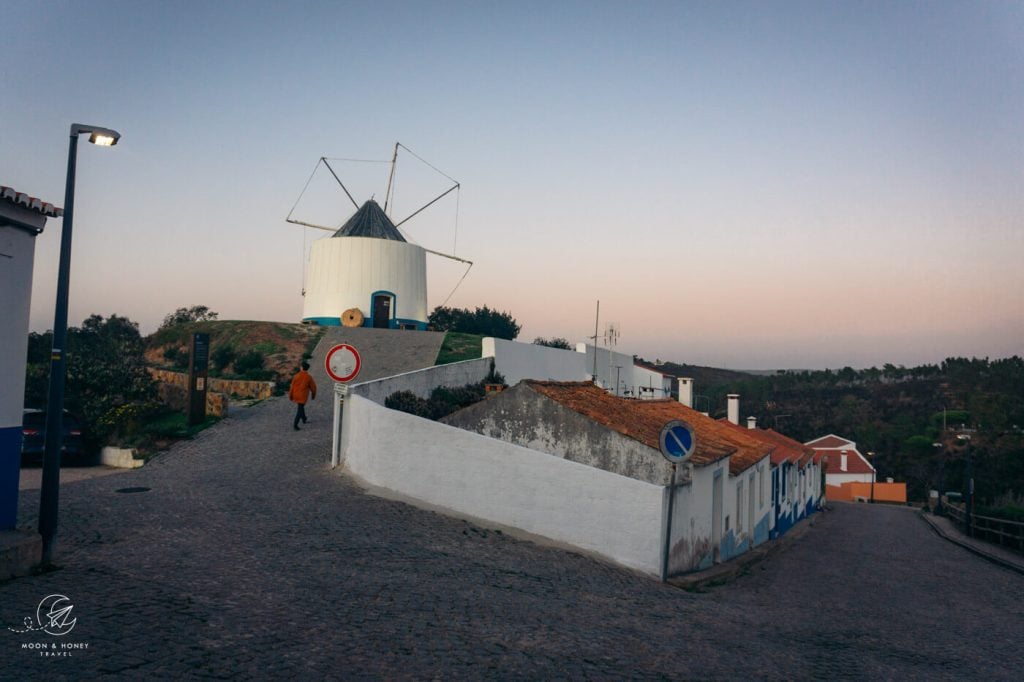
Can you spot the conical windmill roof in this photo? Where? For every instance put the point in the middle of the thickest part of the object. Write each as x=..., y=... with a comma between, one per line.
x=370, y=221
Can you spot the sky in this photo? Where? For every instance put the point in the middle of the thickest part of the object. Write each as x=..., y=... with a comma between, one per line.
x=751, y=185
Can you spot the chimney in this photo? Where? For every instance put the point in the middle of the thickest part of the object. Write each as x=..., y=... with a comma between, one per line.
x=751, y=422
x=734, y=408
x=686, y=391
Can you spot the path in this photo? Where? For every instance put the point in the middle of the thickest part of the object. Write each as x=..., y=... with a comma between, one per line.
x=249, y=558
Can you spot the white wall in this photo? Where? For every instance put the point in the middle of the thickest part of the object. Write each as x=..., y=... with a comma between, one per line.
x=612, y=367
x=17, y=248
x=650, y=384
x=423, y=381
x=517, y=361
x=614, y=516
x=344, y=272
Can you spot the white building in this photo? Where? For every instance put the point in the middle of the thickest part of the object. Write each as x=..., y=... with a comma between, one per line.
x=843, y=462
x=621, y=375
x=21, y=218
x=367, y=273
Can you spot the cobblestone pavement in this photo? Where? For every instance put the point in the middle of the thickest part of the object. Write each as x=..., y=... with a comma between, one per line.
x=249, y=558
x=31, y=478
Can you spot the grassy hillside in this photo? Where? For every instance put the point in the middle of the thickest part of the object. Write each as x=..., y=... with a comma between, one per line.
x=281, y=347
x=458, y=346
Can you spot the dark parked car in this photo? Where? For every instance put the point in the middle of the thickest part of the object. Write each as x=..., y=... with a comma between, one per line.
x=33, y=443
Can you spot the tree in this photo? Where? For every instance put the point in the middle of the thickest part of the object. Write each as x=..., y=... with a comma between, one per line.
x=554, y=342
x=107, y=383
x=482, y=321
x=197, y=313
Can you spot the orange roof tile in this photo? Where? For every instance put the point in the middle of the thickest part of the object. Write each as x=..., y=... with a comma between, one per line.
x=31, y=203
x=855, y=462
x=786, y=449
x=830, y=441
x=805, y=455
x=642, y=420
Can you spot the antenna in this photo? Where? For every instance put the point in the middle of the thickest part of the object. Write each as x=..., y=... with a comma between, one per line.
x=611, y=335
x=391, y=177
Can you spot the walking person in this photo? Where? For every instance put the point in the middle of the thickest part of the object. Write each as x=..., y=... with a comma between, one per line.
x=303, y=388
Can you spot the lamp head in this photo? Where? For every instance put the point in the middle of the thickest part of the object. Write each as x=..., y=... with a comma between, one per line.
x=102, y=137
x=103, y=140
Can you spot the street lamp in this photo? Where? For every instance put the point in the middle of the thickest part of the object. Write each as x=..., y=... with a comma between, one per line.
x=874, y=474
x=48, y=497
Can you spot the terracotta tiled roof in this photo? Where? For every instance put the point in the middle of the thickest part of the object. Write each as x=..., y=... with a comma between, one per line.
x=806, y=454
x=855, y=462
x=642, y=420
x=785, y=448
x=31, y=203
x=830, y=441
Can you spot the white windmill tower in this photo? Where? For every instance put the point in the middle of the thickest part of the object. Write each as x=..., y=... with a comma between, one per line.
x=367, y=274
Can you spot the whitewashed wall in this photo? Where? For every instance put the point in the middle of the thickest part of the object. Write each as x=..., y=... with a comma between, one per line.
x=517, y=361
x=423, y=381
x=692, y=516
x=614, y=516
x=611, y=367
x=17, y=248
x=344, y=272
x=651, y=384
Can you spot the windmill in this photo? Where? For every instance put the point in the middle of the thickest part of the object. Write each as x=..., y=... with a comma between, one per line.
x=369, y=273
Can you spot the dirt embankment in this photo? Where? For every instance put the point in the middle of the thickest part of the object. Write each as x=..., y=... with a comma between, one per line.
x=280, y=347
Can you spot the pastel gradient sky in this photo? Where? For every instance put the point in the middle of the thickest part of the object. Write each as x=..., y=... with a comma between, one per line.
x=748, y=185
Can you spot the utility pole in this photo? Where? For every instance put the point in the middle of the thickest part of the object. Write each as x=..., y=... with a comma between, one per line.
x=597, y=317
x=969, y=497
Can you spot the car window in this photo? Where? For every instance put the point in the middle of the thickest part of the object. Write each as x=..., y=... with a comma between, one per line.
x=37, y=419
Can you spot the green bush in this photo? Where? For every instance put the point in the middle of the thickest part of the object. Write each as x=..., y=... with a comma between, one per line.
x=177, y=357
x=554, y=342
x=407, y=401
x=267, y=347
x=443, y=400
x=482, y=321
x=222, y=356
x=249, y=361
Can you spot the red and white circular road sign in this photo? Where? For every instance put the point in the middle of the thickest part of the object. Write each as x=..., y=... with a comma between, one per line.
x=343, y=363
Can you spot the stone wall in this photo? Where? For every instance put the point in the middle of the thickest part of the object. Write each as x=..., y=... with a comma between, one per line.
x=236, y=387
x=176, y=398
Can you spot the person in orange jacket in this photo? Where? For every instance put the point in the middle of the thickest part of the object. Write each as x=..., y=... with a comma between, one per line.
x=303, y=388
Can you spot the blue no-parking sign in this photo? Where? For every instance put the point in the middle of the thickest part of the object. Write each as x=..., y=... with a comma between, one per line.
x=677, y=441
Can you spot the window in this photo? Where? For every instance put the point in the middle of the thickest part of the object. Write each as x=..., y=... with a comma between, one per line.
x=750, y=503
x=760, y=486
x=739, y=506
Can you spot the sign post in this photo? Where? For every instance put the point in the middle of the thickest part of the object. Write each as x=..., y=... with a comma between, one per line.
x=342, y=364
x=677, y=442
x=198, y=369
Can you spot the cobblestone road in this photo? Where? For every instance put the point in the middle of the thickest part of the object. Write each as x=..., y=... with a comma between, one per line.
x=249, y=558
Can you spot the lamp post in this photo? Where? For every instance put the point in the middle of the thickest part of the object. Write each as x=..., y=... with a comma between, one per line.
x=874, y=474
x=49, y=494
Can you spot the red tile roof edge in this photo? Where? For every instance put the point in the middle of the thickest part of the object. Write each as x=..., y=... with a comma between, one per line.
x=31, y=203
x=641, y=420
